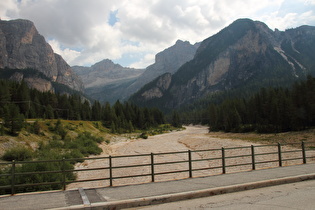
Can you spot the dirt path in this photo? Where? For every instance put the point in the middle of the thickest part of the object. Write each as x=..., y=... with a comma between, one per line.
x=169, y=142
x=192, y=138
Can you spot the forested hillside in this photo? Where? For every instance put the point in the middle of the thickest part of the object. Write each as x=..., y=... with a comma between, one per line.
x=18, y=102
x=270, y=110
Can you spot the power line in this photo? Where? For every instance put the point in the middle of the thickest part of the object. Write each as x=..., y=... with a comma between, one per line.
x=29, y=102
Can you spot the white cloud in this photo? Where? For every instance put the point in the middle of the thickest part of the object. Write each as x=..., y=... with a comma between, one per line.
x=68, y=54
x=145, y=61
x=8, y=9
x=81, y=30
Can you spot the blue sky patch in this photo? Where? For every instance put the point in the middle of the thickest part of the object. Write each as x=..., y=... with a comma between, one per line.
x=113, y=17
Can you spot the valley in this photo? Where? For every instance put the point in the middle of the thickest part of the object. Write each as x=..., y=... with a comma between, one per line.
x=190, y=138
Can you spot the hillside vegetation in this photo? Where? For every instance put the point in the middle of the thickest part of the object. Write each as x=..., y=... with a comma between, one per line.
x=55, y=140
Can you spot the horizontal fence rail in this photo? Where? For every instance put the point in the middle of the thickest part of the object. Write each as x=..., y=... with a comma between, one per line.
x=26, y=176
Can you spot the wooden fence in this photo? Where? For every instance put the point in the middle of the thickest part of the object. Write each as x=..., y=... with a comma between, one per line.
x=151, y=167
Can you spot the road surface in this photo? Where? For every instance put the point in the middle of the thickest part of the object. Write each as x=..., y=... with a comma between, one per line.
x=295, y=196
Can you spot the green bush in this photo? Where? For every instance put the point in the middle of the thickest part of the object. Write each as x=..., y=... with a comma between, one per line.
x=19, y=153
x=144, y=135
x=84, y=145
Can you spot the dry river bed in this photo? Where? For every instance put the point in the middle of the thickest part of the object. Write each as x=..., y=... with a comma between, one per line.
x=192, y=138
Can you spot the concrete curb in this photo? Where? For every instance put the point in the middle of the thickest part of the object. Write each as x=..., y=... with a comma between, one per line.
x=153, y=200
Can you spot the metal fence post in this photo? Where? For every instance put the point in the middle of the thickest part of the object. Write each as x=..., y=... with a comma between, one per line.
x=110, y=171
x=303, y=153
x=223, y=160
x=253, y=157
x=190, y=163
x=63, y=174
x=152, y=167
x=13, y=178
x=279, y=154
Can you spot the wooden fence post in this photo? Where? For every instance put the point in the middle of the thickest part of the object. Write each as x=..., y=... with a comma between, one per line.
x=13, y=178
x=190, y=163
x=279, y=155
x=152, y=167
x=110, y=171
x=63, y=173
x=253, y=157
x=303, y=152
x=223, y=160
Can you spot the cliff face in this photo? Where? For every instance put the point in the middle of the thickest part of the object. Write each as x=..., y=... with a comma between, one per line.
x=22, y=47
x=245, y=54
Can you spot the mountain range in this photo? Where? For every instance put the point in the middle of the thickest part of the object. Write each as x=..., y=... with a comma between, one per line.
x=106, y=81
x=244, y=56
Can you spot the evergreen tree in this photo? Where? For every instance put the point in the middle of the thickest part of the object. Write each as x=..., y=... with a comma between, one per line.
x=113, y=127
x=2, y=129
x=49, y=112
x=107, y=115
x=176, y=120
x=96, y=111
x=5, y=95
x=86, y=111
x=23, y=98
x=13, y=119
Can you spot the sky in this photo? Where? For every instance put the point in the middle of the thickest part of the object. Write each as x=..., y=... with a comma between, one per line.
x=132, y=32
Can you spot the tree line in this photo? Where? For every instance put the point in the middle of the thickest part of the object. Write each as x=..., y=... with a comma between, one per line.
x=18, y=102
x=269, y=110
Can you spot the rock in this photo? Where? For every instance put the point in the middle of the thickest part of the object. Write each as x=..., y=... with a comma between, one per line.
x=22, y=47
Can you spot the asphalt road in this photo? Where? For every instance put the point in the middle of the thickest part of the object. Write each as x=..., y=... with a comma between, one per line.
x=296, y=196
x=299, y=195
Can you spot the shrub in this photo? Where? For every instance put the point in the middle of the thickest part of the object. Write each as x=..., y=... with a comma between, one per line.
x=144, y=136
x=36, y=127
x=86, y=144
x=19, y=153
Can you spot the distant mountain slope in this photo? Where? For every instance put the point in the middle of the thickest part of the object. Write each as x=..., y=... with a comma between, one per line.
x=106, y=81
x=22, y=47
x=105, y=72
x=167, y=61
x=245, y=54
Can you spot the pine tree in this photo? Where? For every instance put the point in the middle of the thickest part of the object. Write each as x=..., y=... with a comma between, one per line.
x=49, y=112
x=106, y=118
x=176, y=120
x=213, y=118
x=96, y=111
x=16, y=120
x=23, y=98
x=113, y=127
x=2, y=129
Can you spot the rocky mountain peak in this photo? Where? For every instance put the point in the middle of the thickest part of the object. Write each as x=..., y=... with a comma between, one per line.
x=105, y=65
x=245, y=54
x=22, y=47
x=181, y=51
x=105, y=72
